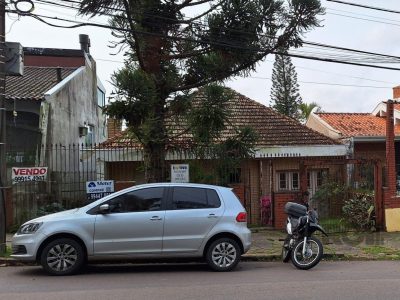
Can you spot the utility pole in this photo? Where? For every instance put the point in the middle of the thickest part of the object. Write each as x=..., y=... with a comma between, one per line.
x=2, y=128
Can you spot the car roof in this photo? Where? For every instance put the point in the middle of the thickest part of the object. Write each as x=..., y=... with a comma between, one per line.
x=171, y=184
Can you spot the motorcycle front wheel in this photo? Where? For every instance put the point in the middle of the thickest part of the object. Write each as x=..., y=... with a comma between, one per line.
x=286, y=250
x=312, y=256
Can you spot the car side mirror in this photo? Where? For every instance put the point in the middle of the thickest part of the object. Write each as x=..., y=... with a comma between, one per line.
x=104, y=208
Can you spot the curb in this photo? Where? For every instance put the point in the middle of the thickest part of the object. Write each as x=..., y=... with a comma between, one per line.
x=329, y=256
x=10, y=262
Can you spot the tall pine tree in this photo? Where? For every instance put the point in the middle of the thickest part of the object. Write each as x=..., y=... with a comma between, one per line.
x=285, y=96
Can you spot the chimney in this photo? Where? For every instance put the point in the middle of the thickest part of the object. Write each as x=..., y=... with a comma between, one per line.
x=396, y=92
x=85, y=42
x=59, y=75
x=114, y=127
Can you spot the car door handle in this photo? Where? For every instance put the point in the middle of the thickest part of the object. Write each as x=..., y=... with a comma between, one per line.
x=156, y=218
x=212, y=216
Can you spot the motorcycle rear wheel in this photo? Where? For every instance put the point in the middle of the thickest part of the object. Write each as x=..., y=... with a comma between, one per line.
x=314, y=252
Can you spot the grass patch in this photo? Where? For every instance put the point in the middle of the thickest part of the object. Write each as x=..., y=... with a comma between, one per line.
x=379, y=250
x=335, y=225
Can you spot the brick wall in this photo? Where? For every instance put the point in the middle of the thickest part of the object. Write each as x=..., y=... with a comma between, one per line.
x=396, y=92
x=390, y=200
x=114, y=127
x=390, y=194
x=53, y=61
x=279, y=201
x=376, y=150
x=239, y=191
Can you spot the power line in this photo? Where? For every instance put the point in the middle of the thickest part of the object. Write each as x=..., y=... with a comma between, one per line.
x=333, y=84
x=299, y=67
x=110, y=60
x=358, y=14
x=238, y=31
x=80, y=24
x=329, y=59
x=366, y=6
x=339, y=74
x=336, y=56
x=365, y=19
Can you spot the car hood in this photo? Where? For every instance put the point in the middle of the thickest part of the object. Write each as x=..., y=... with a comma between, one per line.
x=66, y=214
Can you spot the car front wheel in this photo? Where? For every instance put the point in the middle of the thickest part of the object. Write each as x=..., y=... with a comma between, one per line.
x=62, y=256
x=223, y=255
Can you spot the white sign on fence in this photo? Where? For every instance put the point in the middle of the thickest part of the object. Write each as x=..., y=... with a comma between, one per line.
x=28, y=174
x=180, y=173
x=99, y=189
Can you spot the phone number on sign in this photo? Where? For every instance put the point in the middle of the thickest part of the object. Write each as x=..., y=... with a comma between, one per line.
x=29, y=178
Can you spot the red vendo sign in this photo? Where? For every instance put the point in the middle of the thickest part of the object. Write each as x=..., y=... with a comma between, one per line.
x=28, y=174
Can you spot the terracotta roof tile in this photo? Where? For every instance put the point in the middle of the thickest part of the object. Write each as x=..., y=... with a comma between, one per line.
x=35, y=82
x=273, y=129
x=357, y=124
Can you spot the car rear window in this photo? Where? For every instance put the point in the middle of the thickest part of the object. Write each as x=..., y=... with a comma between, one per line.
x=194, y=198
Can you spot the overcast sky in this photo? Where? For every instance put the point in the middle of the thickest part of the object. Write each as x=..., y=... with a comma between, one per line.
x=319, y=82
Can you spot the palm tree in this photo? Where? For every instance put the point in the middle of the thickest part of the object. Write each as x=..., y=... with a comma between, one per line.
x=306, y=109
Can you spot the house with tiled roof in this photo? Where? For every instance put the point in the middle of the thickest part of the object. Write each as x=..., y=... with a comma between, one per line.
x=57, y=100
x=364, y=134
x=273, y=172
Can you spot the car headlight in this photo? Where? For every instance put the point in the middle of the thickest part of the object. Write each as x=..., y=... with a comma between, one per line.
x=29, y=228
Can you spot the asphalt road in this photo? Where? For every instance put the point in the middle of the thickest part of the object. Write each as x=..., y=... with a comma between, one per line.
x=251, y=280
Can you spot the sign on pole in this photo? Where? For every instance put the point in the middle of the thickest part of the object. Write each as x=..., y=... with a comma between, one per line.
x=180, y=173
x=99, y=189
x=28, y=174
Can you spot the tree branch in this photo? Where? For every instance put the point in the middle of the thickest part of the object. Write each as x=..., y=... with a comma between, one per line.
x=133, y=32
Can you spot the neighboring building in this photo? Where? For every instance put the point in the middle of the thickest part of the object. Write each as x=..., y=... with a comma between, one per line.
x=371, y=137
x=54, y=114
x=364, y=134
x=274, y=172
x=58, y=100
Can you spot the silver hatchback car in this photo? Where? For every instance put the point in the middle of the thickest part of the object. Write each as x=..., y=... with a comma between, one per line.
x=147, y=221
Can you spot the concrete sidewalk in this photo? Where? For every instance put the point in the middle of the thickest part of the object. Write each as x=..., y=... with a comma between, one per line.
x=352, y=245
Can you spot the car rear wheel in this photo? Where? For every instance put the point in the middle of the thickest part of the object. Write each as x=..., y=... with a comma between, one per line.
x=223, y=255
x=62, y=256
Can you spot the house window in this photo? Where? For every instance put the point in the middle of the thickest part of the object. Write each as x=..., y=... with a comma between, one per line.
x=288, y=181
x=321, y=177
x=89, y=138
x=101, y=98
x=295, y=181
x=283, y=184
x=235, y=176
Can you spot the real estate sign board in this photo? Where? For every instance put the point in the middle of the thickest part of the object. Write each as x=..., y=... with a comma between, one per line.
x=180, y=173
x=99, y=189
x=28, y=174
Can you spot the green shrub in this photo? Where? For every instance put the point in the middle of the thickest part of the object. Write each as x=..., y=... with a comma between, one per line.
x=358, y=210
x=49, y=209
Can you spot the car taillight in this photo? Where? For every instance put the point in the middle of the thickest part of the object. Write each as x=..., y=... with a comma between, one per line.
x=241, y=217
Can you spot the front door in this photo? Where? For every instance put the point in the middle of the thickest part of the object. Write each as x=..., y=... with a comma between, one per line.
x=134, y=224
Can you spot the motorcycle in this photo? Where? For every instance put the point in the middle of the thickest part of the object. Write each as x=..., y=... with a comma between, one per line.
x=300, y=247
